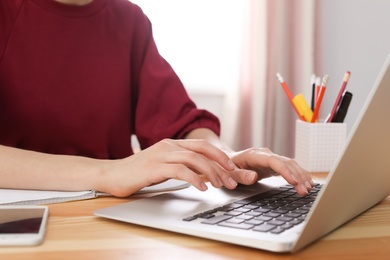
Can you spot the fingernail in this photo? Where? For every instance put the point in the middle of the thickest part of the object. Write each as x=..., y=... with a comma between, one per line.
x=231, y=164
x=232, y=182
x=203, y=187
x=308, y=185
x=304, y=189
x=250, y=176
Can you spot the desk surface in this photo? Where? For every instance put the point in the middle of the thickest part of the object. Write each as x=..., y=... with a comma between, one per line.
x=74, y=233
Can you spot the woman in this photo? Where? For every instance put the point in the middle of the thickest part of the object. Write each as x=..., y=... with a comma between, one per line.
x=78, y=78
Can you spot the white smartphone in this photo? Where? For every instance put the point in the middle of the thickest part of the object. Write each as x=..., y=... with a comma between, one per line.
x=22, y=225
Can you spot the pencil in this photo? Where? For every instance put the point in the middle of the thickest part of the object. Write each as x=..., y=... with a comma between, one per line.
x=319, y=99
x=289, y=95
x=338, y=99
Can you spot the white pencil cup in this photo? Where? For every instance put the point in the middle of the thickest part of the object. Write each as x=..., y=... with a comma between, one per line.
x=318, y=145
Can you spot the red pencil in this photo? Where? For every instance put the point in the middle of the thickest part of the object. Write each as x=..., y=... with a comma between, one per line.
x=337, y=103
x=289, y=95
x=319, y=99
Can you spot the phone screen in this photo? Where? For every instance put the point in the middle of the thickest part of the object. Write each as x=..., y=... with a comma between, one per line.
x=22, y=225
x=28, y=224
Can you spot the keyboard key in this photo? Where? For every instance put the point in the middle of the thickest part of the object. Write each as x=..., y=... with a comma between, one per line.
x=254, y=222
x=262, y=210
x=280, y=211
x=253, y=213
x=293, y=215
x=233, y=213
x=263, y=218
x=295, y=221
x=270, y=207
x=190, y=218
x=276, y=222
x=207, y=216
x=251, y=206
x=287, y=226
x=234, y=225
x=235, y=220
x=235, y=205
x=277, y=230
x=301, y=211
x=242, y=210
x=285, y=219
x=245, y=217
x=216, y=220
x=272, y=215
x=264, y=228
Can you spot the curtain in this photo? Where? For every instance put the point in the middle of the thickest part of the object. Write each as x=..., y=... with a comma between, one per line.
x=279, y=37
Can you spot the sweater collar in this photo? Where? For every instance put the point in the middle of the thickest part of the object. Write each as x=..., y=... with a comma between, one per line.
x=71, y=10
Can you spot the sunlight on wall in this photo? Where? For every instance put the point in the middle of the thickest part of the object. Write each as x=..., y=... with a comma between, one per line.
x=201, y=39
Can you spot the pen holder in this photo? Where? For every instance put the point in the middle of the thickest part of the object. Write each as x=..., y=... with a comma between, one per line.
x=318, y=145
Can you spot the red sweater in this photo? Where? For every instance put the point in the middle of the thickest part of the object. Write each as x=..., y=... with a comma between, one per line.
x=81, y=80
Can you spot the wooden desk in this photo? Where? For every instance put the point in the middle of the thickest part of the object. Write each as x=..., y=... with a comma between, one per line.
x=74, y=233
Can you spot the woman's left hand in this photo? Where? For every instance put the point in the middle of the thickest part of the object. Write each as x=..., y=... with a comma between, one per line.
x=257, y=163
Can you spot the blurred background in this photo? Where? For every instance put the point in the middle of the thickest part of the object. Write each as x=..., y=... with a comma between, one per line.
x=227, y=53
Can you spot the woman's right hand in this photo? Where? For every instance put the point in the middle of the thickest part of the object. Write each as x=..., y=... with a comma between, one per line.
x=169, y=159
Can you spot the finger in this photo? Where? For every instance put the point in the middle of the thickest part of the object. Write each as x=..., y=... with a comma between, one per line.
x=181, y=172
x=200, y=164
x=208, y=150
x=299, y=171
x=294, y=174
x=243, y=176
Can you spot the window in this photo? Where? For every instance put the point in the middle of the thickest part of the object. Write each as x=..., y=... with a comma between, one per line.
x=201, y=39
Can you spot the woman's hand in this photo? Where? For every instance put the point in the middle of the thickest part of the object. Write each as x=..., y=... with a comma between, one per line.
x=170, y=159
x=258, y=163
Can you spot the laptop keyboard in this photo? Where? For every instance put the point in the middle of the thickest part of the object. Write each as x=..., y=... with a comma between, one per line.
x=273, y=211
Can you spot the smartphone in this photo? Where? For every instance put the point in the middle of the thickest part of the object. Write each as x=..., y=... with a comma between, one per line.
x=22, y=225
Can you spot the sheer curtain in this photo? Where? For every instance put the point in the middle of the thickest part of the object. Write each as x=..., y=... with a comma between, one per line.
x=279, y=38
x=202, y=40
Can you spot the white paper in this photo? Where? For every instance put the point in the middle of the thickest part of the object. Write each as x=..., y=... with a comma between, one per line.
x=38, y=197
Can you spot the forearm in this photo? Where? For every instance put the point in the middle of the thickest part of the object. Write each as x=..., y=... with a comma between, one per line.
x=32, y=170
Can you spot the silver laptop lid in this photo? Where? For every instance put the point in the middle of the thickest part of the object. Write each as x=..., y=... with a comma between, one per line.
x=361, y=176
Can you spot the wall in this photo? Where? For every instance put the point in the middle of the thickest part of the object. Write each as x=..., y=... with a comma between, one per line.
x=352, y=35
x=202, y=41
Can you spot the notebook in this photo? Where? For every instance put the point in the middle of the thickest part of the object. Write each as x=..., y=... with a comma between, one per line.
x=40, y=197
x=359, y=179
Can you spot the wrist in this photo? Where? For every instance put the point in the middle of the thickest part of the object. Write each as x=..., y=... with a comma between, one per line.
x=100, y=180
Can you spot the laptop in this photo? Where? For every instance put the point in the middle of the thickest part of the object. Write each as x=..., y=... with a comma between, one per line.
x=359, y=179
